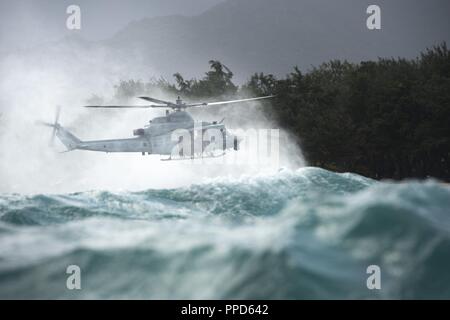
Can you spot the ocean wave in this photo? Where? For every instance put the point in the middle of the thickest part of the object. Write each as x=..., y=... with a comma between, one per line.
x=299, y=234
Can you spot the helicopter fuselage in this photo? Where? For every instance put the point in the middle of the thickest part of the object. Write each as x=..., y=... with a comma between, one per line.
x=175, y=133
x=161, y=136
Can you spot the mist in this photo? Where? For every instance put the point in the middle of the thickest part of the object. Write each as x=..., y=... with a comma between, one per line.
x=68, y=74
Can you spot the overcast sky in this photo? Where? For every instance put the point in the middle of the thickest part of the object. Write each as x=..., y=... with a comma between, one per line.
x=302, y=32
x=25, y=23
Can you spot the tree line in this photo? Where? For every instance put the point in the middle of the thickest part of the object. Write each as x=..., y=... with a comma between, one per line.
x=388, y=118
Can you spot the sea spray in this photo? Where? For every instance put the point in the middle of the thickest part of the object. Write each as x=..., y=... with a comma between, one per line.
x=301, y=234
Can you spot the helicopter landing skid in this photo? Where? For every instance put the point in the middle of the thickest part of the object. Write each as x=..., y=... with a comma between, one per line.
x=195, y=157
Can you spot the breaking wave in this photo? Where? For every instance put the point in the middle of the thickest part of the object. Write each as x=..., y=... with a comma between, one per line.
x=302, y=234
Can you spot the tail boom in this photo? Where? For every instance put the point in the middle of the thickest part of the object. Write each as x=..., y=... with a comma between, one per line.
x=67, y=138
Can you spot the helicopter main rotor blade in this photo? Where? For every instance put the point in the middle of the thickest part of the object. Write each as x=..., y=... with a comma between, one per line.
x=226, y=102
x=156, y=100
x=128, y=107
x=58, y=112
x=43, y=123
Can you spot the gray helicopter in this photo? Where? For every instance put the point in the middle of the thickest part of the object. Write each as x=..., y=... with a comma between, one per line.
x=176, y=134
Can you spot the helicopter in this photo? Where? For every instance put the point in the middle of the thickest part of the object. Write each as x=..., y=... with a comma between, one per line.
x=176, y=134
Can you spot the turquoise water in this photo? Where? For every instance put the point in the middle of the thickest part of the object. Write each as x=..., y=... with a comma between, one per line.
x=302, y=234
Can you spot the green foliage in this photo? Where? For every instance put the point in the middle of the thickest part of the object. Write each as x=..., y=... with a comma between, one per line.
x=260, y=84
x=131, y=88
x=217, y=82
x=383, y=119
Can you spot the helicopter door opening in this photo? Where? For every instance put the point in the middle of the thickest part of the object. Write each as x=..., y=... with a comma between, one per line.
x=224, y=140
x=180, y=143
x=184, y=149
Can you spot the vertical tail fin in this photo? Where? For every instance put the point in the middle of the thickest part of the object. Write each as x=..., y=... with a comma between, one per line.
x=68, y=139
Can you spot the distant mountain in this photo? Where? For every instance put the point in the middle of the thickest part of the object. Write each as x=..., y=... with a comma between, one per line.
x=273, y=36
x=256, y=35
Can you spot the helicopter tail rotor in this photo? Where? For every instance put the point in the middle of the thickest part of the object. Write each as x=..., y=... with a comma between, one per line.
x=55, y=125
x=67, y=138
